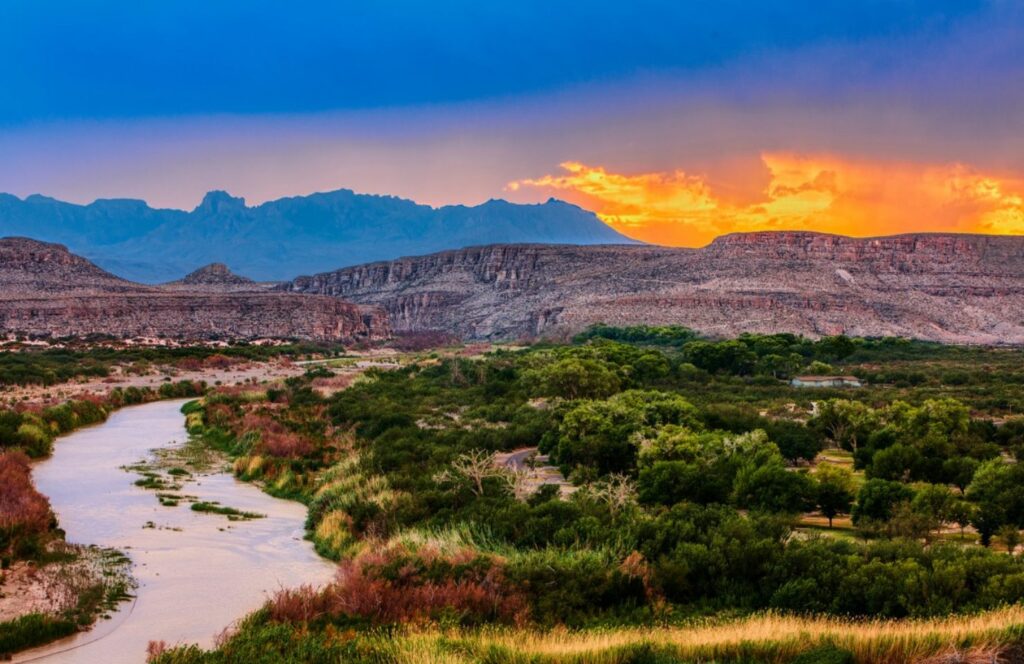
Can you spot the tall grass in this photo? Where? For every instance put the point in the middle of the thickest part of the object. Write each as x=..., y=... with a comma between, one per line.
x=32, y=629
x=340, y=491
x=762, y=638
x=994, y=637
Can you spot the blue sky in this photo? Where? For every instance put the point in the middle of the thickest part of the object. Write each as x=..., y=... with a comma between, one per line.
x=105, y=59
x=459, y=101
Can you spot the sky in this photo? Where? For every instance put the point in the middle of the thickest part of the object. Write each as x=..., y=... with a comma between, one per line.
x=675, y=121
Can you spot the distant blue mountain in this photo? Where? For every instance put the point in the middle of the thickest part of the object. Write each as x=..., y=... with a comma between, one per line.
x=285, y=238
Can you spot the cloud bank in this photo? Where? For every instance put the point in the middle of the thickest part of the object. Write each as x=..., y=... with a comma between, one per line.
x=804, y=192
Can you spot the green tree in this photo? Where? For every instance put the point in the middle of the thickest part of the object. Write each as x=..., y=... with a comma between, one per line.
x=794, y=439
x=819, y=368
x=574, y=378
x=1010, y=535
x=721, y=357
x=935, y=503
x=998, y=492
x=604, y=435
x=961, y=512
x=679, y=464
x=848, y=424
x=877, y=500
x=779, y=366
x=833, y=490
x=899, y=462
x=833, y=349
x=959, y=471
x=769, y=486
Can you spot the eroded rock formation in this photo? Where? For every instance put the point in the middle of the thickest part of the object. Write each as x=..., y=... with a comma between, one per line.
x=941, y=287
x=46, y=290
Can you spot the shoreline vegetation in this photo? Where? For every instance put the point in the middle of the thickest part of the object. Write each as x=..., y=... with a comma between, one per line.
x=72, y=585
x=50, y=589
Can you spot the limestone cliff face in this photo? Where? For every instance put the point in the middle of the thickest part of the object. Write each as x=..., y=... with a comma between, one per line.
x=942, y=287
x=198, y=317
x=46, y=290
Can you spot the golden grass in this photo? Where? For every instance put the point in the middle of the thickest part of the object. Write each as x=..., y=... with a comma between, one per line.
x=424, y=649
x=763, y=638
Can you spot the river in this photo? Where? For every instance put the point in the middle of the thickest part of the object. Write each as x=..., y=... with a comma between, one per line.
x=197, y=572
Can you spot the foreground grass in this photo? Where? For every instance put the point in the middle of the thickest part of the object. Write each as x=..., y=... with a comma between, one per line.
x=764, y=638
x=33, y=629
x=768, y=637
x=83, y=585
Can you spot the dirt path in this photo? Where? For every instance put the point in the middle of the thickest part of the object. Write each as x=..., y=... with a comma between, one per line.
x=538, y=471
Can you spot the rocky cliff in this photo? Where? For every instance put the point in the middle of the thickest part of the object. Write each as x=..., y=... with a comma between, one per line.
x=46, y=290
x=942, y=287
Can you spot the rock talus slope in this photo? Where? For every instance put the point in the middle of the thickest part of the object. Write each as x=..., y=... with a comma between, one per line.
x=941, y=287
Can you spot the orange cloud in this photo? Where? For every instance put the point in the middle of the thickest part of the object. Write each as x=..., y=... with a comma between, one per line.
x=804, y=192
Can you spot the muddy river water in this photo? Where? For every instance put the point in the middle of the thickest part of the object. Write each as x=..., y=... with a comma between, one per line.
x=197, y=572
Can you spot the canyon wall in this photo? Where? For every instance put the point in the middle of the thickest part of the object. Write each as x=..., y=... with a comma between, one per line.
x=941, y=287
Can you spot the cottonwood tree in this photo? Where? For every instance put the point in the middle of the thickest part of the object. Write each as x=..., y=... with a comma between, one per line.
x=846, y=423
x=996, y=490
x=574, y=378
x=936, y=503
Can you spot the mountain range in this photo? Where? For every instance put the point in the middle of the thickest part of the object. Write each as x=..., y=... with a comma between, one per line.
x=282, y=238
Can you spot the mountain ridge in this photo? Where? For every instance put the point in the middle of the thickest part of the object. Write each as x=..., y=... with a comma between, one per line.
x=278, y=239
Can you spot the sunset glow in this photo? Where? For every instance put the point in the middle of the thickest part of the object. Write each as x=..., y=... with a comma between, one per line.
x=805, y=192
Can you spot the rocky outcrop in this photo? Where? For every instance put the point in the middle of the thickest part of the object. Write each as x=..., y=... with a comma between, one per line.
x=46, y=290
x=216, y=274
x=217, y=278
x=941, y=287
x=29, y=267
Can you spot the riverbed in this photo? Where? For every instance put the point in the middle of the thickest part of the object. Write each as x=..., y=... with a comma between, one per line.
x=197, y=572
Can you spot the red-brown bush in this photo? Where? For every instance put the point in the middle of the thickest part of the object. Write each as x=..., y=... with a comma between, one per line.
x=398, y=586
x=219, y=415
x=189, y=364
x=218, y=361
x=23, y=510
x=276, y=439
